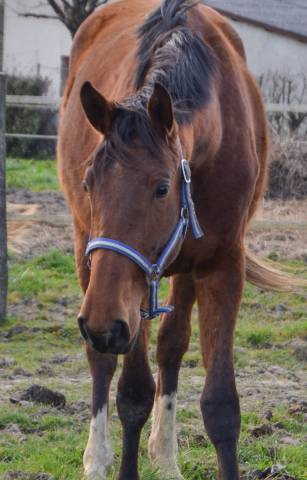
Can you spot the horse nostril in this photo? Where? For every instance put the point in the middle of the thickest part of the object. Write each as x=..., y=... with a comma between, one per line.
x=120, y=331
x=81, y=322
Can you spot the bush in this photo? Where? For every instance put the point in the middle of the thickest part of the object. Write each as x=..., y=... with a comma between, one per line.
x=288, y=169
x=25, y=120
x=281, y=89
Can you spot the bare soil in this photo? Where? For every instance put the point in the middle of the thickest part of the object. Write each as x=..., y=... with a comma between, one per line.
x=37, y=222
x=280, y=228
x=40, y=221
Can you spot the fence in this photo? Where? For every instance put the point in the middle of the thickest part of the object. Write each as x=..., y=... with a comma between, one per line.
x=33, y=103
x=44, y=102
x=3, y=227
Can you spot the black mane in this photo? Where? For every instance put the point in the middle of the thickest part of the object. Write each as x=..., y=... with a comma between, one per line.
x=174, y=55
x=177, y=57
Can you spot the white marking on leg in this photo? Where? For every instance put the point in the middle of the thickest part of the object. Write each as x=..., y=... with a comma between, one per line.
x=163, y=446
x=98, y=456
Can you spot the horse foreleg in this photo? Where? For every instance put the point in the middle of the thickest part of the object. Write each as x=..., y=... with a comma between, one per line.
x=98, y=456
x=173, y=341
x=219, y=296
x=136, y=390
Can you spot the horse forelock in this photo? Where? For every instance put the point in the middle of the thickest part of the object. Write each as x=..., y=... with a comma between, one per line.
x=132, y=131
x=171, y=53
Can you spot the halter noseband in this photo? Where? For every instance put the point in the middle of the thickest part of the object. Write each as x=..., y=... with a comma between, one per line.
x=154, y=271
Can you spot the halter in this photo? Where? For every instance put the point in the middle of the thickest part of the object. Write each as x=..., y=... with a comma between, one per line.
x=154, y=271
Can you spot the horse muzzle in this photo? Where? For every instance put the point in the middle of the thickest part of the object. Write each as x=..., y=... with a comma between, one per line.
x=115, y=340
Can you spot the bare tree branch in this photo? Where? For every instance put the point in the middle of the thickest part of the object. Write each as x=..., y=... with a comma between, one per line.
x=70, y=12
x=58, y=10
x=39, y=15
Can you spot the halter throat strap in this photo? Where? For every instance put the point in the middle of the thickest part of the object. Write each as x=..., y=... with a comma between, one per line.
x=154, y=271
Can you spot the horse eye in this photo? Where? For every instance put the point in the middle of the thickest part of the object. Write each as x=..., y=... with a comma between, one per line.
x=162, y=191
x=85, y=186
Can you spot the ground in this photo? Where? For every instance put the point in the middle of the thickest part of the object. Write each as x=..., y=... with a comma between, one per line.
x=40, y=344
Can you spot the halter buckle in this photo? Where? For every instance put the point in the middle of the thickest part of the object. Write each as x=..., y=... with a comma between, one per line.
x=155, y=274
x=186, y=170
x=184, y=213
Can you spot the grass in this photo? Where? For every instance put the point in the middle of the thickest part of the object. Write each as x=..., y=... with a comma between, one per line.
x=53, y=440
x=43, y=277
x=35, y=175
x=44, y=296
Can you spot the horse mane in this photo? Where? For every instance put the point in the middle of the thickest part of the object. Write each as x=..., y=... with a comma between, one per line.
x=176, y=56
x=171, y=53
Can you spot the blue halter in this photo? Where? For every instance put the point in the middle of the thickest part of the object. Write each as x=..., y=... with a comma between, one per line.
x=154, y=271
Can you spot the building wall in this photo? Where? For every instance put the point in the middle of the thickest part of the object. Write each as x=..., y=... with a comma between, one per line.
x=267, y=51
x=32, y=45
x=38, y=44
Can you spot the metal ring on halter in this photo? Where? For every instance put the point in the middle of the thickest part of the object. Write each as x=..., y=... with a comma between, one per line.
x=186, y=171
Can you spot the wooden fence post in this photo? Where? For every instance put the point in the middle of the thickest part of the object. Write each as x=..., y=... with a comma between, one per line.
x=3, y=227
x=64, y=73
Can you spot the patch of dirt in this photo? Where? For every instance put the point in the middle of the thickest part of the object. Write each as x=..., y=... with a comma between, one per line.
x=280, y=228
x=45, y=370
x=38, y=221
x=29, y=308
x=16, y=475
x=39, y=394
x=261, y=430
x=276, y=471
x=267, y=387
x=7, y=362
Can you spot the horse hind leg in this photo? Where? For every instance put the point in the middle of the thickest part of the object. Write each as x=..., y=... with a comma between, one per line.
x=219, y=296
x=173, y=341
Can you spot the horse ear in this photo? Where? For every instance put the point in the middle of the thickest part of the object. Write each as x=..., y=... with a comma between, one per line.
x=98, y=110
x=160, y=109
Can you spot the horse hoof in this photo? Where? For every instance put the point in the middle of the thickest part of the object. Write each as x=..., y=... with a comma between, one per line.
x=169, y=470
x=95, y=475
x=171, y=473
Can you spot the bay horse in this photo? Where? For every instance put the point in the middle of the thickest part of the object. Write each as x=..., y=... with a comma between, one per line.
x=149, y=85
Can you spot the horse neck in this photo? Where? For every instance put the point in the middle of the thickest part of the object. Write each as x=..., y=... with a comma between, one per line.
x=202, y=138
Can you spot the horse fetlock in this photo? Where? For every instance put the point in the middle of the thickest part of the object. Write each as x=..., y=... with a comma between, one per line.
x=95, y=473
x=97, y=461
x=163, y=446
x=167, y=466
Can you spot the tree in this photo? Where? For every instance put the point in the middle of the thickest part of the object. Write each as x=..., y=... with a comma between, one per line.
x=70, y=12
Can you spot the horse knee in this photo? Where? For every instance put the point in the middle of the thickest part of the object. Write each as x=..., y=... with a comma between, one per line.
x=134, y=406
x=171, y=348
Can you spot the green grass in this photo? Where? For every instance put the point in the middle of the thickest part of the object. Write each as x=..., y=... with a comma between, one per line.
x=35, y=175
x=45, y=277
x=48, y=297
x=54, y=440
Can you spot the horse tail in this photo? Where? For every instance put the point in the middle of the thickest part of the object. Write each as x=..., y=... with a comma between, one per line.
x=267, y=276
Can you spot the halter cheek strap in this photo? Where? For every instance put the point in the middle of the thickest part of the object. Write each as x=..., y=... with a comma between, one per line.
x=154, y=271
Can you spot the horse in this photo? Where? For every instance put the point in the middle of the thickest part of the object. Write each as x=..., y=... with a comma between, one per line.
x=162, y=155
